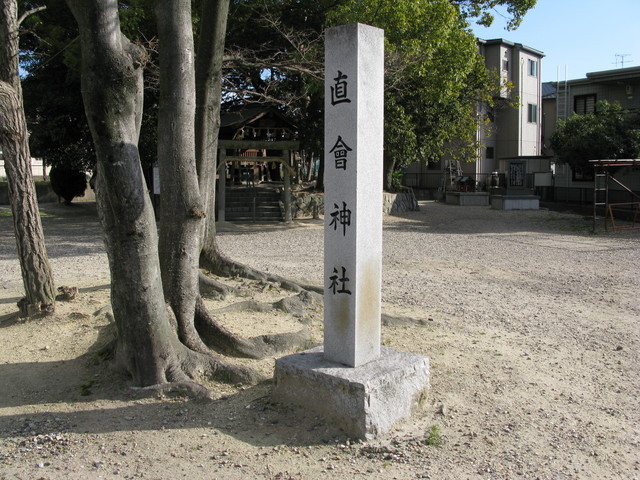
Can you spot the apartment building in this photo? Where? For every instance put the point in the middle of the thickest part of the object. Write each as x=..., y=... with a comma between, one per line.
x=578, y=97
x=511, y=143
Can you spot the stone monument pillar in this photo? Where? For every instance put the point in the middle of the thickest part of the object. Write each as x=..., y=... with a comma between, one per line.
x=363, y=388
x=354, y=110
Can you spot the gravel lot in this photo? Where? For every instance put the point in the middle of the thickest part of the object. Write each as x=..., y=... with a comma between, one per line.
x=530, y=322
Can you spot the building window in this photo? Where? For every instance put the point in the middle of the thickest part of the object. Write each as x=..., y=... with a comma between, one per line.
x=583, y=104
x=533, y=68
x=489, y=152
x=505, y=65
x=532, y=113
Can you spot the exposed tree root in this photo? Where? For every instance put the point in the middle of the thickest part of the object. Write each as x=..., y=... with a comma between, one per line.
x=190, y=389
x=222, y=340
x=222, y=266
x=181, y=366
x=390, y=321
x=297, y=305
x=215, y=290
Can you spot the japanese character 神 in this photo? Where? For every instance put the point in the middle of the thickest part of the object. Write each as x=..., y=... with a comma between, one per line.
x=342, y=217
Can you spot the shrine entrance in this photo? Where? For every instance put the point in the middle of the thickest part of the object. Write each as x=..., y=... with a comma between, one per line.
x=255, y=157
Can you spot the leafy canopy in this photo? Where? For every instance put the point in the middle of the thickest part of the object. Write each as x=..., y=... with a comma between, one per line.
x=434, y=76
x=609, y=133
x=481, y=10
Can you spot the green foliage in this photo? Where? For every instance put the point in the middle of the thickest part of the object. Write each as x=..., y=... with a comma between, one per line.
x=68, y=183
x=50, y=56
x=433, y=437
x=481, y=10
x=609, y=133
x=434, y=74
x=435, y=77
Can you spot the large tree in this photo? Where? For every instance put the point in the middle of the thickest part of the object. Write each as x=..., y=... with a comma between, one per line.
x=610, y=132
x=164, y=331
x=36, y=272
x=154, y=302
x=435, y=78
x=483, y=11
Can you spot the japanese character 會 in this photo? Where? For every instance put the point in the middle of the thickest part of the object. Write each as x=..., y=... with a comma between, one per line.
x=340, y=151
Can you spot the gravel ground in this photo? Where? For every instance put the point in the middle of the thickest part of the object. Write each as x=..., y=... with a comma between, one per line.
x=530, y=322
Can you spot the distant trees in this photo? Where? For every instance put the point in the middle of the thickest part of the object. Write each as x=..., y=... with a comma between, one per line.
x=274, y=54
x=434, y=75
x=482, y=10
x=608, y=133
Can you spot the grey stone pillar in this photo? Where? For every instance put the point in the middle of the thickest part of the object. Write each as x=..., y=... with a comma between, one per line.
x=287, y=186
x=381, y=386
x=354, y=92
x=222, y=184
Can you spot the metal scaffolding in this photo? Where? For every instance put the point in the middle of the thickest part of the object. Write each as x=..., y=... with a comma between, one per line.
x=601, y=180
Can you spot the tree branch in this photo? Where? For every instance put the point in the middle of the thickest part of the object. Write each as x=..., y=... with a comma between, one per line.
x=28, y=13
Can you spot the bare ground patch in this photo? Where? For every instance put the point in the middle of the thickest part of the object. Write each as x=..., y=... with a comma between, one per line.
x=530, y=323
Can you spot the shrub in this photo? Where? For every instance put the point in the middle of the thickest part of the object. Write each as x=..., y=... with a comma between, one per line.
x=68, y=183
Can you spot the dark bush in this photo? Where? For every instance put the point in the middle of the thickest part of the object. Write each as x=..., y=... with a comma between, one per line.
x=68, y=183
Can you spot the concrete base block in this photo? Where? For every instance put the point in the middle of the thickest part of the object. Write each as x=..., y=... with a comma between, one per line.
x=515, y=202
x=364, y=401
x=468, y=198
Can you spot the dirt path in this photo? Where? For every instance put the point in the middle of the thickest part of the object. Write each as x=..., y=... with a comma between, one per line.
x=531, y=324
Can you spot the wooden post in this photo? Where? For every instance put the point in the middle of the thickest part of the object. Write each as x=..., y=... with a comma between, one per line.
x=287, y=185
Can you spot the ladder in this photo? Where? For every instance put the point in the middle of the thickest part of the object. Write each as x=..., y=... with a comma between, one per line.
x=600, y=192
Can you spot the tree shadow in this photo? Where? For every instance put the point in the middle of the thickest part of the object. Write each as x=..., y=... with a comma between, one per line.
x=11, y=318
x=85, y=395
x=69, y=231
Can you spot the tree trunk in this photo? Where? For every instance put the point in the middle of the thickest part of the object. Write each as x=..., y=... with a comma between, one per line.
x=156, y=343
x=181, y=206
x=320, y=177
x=112, y=91
x=208, y=93
x=389, y=164
x=37, y=276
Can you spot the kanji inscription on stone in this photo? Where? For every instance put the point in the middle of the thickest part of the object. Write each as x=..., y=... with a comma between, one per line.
x=354, y=86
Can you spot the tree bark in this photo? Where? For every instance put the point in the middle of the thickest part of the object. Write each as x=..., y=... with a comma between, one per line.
x=112, y=92
x=37, y=276
x=181, y=206
x=389, y=165
x=208, y=96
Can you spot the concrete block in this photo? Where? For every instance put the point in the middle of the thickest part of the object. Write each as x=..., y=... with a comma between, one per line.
x=365, y=401
x=515, y=202
x=480, y=199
